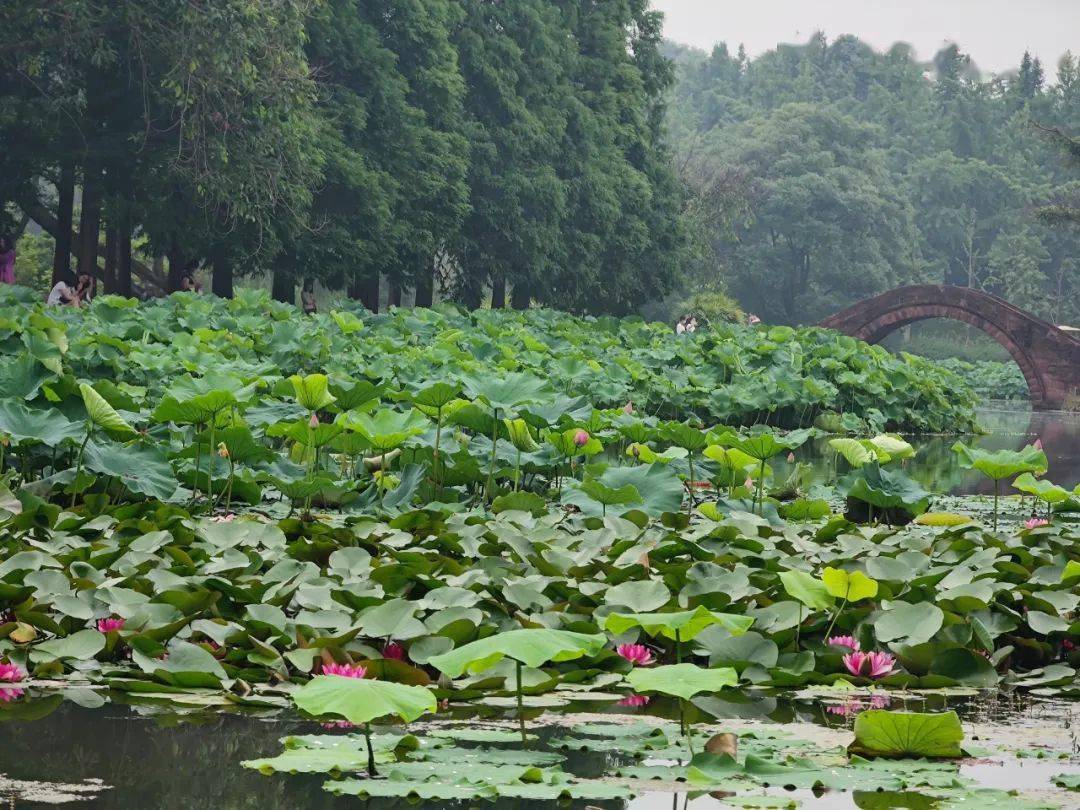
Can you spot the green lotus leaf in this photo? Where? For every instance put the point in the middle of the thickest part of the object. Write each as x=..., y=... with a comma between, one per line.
x=360, y=700
x=101, y=413
x=909, y=623
x=142, y=469
x=533, y=647
x=885, y=489
x=1002, y=463
x=80, y=646
x=907, y=734
x=23, y=424
x=684, y=625
x=807, y=589
x=849, y=585
x=312, y=391
x=640, y=596
x=1042, y=489
x=681, y=680
x=386, y=430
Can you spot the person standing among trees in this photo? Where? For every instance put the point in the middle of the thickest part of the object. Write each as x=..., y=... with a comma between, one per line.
x=7, y=261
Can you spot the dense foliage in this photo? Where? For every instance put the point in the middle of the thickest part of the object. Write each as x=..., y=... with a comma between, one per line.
x=732, y=374
x=511, y=147
x=845, y=172
x=990, y=379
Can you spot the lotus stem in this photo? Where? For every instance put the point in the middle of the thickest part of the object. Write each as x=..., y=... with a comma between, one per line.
x=435, y=457
x=678, y=647
x=78, y=462
x=491, y=465
x=690, y=505
x=370, y=752
x=213, y=448
x=997, y=494
x=835, y=617
x=761, y=489
x=520, y=706
x=198, y=465
x=517, y=470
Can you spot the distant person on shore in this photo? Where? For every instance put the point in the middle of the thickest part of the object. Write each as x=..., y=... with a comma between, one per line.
x=753, y=320
x=307, y=301
x=62, y=295
x=7, y=260
x=190, y=284
x=84, y=288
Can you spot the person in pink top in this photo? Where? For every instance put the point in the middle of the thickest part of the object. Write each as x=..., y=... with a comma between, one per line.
x=7, y=261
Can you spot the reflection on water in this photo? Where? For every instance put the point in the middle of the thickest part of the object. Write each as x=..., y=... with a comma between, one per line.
x=937, y=468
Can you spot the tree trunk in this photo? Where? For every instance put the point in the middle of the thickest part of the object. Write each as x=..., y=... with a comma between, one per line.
x=64, y=215
x=90, y=221
x=221, y=283
x=283, y=288
x=111, y=248
x=498, y=293
x=177, y=265
x=394, y=297
x=425, y=289
x=123, y=254
x=520, y=298
x=366, y=290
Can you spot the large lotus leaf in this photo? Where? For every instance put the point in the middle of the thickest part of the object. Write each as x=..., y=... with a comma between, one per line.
x=640, y=596
x=79, y=646
x=436, y=396
x=507, y=392
x=885, y=489
x=312, y=391
x=360, y=700
x=142, y=469
x=387, y=430
x=198, y=410
x=22, y=376
x=856, y=451
x=685, y=436
x=659, y=486
x=907, y=734
x=810, y=591
x=608, y=496
x=1002, y=463
x=186, y=665
x=764, y=445
x=909, y=623
x=521, y=435
x=966, y=667
x=894, y=447
x=684, y=625
x=1041, y=488
x=739, y=652
x=849, y=585
x=533, y=647
x=50, y=427
x=681, y=680
x=101, y=413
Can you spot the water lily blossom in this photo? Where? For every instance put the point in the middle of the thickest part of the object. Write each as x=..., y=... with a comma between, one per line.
x=394, y=651
x=869, y=665
x=8, y=694
x=1034, y=522
x=581, y=438
x=11, y=673
x=637, y=654
x=634, y=701
x=110, y=625
x=344, y=670
x=843, y=641
x=790, y=458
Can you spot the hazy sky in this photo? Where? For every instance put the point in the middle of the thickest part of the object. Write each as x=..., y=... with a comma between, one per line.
x=994, y=32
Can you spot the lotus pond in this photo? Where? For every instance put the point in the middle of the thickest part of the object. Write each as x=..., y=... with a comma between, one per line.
x=493, y=559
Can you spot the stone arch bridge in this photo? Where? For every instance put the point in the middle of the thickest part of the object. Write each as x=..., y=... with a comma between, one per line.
x=1048, y=356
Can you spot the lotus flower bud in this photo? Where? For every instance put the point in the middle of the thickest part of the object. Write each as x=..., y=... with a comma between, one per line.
x=628, y=408
x=748, y=483
x=581, y=438
x=222, y=450
x=790, y=458
x=313, y=422
x=1038, y=444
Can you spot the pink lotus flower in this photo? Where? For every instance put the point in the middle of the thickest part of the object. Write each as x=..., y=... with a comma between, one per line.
x=345, y=670
x=394, y=651
x=628, y=408
x=634, y=701
x=1035, y=523
x=581, y=438
x=869, y=665
x=313, y=422
x=110, y=625
x=748, y=483
x=790, y=458
x=1038, y=444
x=855, y=705
x=843, y=641
x=637, y=654
x=11, y=673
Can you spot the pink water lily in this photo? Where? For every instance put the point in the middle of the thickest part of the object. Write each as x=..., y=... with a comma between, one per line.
x=110, y=625
x=394, y=651
x=581, y=438
x=634, y=701
x=345, y=670
x=11, y=673
x=869, y=665
x=854, y=705
x=843, y=641
x=637, y=654
x=8, y=694
x=790, y=458
x=1035, y=522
